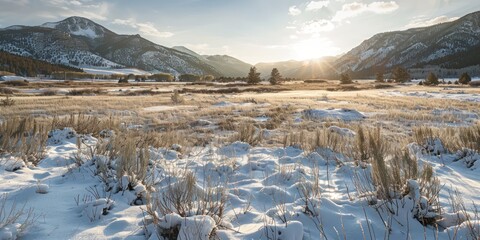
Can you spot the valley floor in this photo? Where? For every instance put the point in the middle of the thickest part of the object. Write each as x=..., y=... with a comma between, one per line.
x=252, y=165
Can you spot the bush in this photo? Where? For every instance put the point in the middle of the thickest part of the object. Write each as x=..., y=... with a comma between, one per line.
x=7, y=101
x=16, y=83
x=177, y=98
x=189, y=78
x=86, y=91
x=345, y=78
x=162, y=77
x=49, y=92
x=4, y=90
x=123, y=80
x=208, y=78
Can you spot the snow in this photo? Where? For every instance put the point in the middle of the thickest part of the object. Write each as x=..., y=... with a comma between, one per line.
x=196, y=227
x=86, y=32
x=342, y=131
x=42, y=188
x=12, y=164
x=50, y=25
x=265, y=192
x=110, y=71
x=11, y=78
x=456, y=96
x=343, y=114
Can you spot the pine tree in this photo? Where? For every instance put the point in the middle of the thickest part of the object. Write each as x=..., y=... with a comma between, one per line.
x=379, y=77
x=253, y=77
x=400, y=75
x=464, y=78
x=275, y=77
x=431, y=79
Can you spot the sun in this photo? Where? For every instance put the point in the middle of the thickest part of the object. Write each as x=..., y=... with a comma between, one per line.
x=315, y=47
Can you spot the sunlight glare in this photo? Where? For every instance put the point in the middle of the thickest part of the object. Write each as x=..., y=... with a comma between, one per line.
x=313, y=48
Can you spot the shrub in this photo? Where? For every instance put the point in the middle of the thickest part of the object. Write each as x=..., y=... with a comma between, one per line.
x=4, y=90
x=162, y=77
x=177, y=98
x=208, y=78
x=345, y=78
x=49, y=92
x=17, y=83
x=7, y=102
x=123, y=80
x=189, y=78
x=247, y=132
x=13, y=217
x=86, y=91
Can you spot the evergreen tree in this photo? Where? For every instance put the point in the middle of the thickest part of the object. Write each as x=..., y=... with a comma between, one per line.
x=464, y=78
x=400, y=75
x=275, y=77
x=253, y=76
x=431, y=79
x=379, y=77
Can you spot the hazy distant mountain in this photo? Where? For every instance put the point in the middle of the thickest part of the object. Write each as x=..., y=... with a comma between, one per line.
x=316, y=68
x=448, y=45
x=78, y=41
x=228, y=66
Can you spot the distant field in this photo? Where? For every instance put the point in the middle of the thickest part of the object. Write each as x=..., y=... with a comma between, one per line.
x=242, y=161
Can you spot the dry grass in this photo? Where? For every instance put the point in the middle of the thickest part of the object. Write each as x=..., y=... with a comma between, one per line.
x=24, y=138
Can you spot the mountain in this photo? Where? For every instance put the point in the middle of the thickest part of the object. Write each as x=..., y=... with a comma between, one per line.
x=450, y=45
x=308, y=69
x=227, y=65
x=28, y=67
x=80, y=42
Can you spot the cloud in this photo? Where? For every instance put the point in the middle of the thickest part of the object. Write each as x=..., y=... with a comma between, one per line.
x=383, y=7
x=316, y=5
x=294, y=11
x=354, y=9
x=316, y=26
x=424, y=22
x=85, y=8
x=146, y=28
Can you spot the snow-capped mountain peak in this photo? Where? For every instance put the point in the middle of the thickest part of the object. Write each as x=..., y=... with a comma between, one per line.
x=78, y=26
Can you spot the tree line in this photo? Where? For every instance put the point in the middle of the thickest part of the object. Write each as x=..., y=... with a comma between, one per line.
x=29, y=67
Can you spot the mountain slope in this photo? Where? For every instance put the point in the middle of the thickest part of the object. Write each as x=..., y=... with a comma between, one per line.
x=227, y=65
x=446, y=45
x=78, y=41
x=24, y=66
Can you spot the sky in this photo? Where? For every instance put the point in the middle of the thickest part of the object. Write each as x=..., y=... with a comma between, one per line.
x=251, y=30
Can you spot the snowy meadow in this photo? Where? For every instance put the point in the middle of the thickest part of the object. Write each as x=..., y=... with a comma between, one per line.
x=295, y=161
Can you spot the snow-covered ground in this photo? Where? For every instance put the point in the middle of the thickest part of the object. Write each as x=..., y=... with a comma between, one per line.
x=457, y=95
x=110, y=71
x=264, y=190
